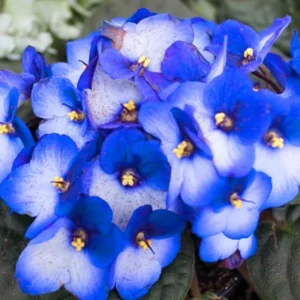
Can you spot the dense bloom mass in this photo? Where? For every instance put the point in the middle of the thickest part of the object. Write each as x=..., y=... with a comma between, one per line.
x=153, y=122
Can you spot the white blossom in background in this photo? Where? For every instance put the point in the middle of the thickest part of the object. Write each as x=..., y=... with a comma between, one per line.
x=39, y=22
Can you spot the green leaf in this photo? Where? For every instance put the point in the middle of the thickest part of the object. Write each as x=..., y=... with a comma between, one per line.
x=274, y=269
x=175, y=280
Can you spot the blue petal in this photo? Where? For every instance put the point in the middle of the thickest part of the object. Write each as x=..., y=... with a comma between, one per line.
x=192, y=66
x=104, y=248
x=104, y=101
x=117, y=151
x=202, y=36
x=145, y=88
x=11, y=146
x=199, y=190
x=269, y=35
x=11, y=103
x=78, y=51
x=217, y=247
x=86, y=78
x=23, y=132
x=48, y=98
x=65, y=70
x=152, y=164
x=247, y=247
x=77, y=131
x=157, y=119
x=139, y=15
x=135, y=272
x=208, y=222
x=23, y=157
x=122, y=200
x=278, y=67
x=137, y=221
x=35, y=64
x=282, y=165
x=166, y=249
x=163, y=224
x=115, y=64
x=92, y=213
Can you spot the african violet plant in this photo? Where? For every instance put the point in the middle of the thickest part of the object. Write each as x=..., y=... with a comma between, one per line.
x=155, y=124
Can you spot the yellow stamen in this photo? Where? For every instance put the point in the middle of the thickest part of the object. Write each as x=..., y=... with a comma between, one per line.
x=142, y=242
x=75, y=116
x=185, y=148
x=146, y=63
x=129, y=178
x=236, y=201
x=274, y=140
x=78, y=243
x=219, y=117
x=61, y=184
x=130, y=105
x=6, y=128
x=248, y=53
x=223, y=121
x=142, y=59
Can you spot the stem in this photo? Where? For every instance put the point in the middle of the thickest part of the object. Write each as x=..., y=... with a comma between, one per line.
x=269, y=81
x=195, y=289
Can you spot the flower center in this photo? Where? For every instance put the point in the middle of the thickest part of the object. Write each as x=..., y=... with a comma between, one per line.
x=223, y=121
x=76, y=116
x=142, y=242
x=129, y=113
x=248, y=56
x=235, y=200
x=6, y=128
x=144, y=62
x=129, y=178
x=273, y=140
x=79, y=239
x=185, y=148
x=60, y=184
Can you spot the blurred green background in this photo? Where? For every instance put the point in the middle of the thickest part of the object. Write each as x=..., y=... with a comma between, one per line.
x=257, y=13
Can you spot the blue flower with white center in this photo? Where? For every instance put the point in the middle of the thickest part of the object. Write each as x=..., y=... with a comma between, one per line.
x=246, y=48
x=236, y=208
x=14, y=134
x=278, y=153
x=74, y=252
x=232, y=117
x=219, y=247
x=36, y=188
x=187, y=153
x=133, y=172
x=60, y=105
x=139, y=48
x=34, y=68
x=153, y=241
x=112, y=103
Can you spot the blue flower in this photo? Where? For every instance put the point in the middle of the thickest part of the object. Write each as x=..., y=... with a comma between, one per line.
x=219, y=247
x=278, y=153
x=14, y=134
x=74, y=252
x=133, y=173
x=34, y=68
x=112, y=103
x=235, y=210
x=60, y=105
x=246, y=48
x=78, y=57
x=232, y=117
x=187, y=153
x=153, y=241
x=37, y=188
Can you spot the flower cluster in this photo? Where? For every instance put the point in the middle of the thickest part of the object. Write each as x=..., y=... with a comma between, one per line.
x=153, y=122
